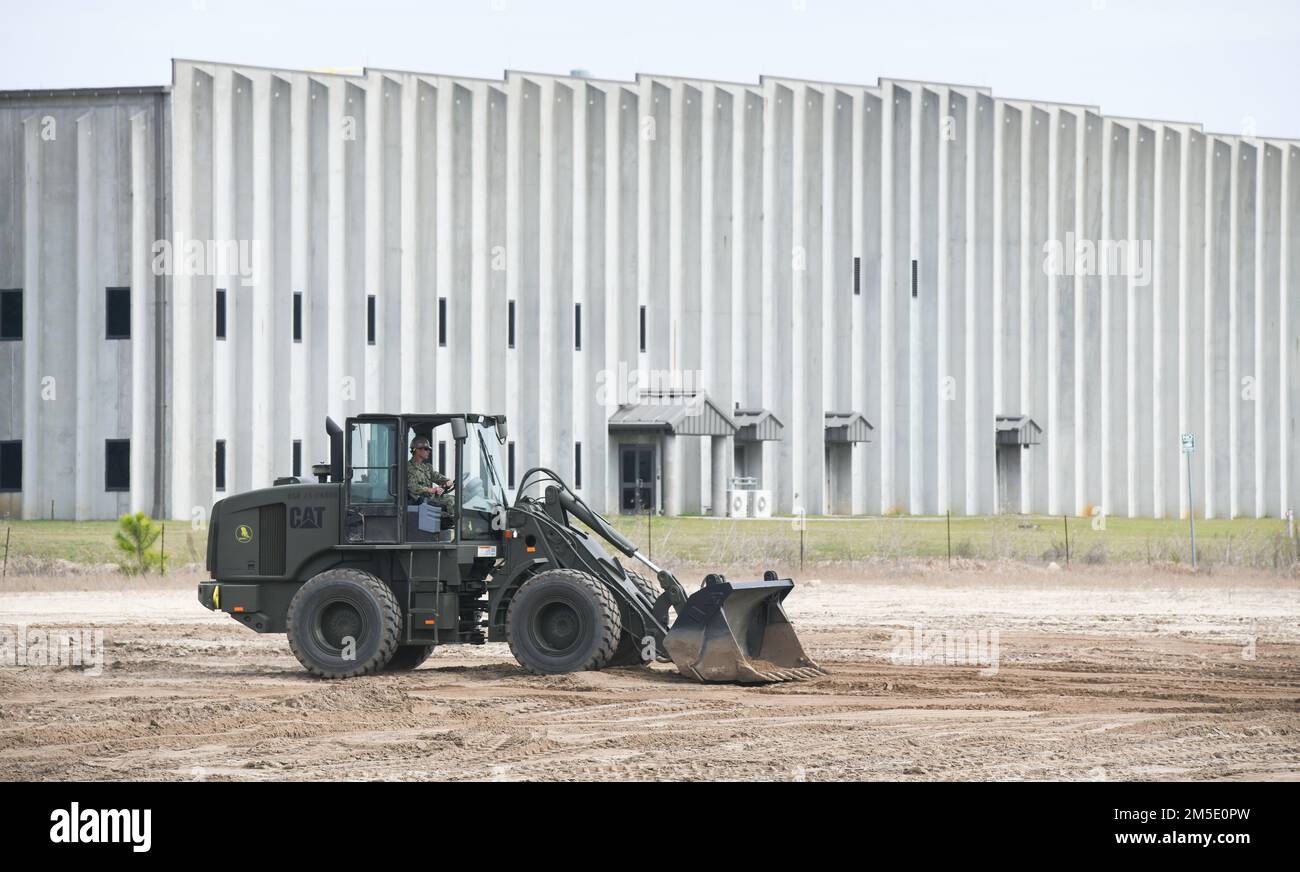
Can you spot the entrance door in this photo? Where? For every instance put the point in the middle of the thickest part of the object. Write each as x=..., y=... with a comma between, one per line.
x=828, y=504
x=371, y=488
x=636, y=478
x=1008, y=470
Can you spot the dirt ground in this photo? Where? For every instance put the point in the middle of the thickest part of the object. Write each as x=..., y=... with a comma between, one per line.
x=991, y=674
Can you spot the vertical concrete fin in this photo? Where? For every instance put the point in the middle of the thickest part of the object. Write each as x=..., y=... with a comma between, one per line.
x=143, y=311
x=260, y=343
x=89, y=312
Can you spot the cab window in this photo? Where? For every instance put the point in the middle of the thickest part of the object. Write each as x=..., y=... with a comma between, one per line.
x=372, y=459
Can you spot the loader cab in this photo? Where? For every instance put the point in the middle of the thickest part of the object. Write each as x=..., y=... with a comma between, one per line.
x=378, y=508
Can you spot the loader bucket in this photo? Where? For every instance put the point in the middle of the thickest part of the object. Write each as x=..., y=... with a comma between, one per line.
x=738, y=631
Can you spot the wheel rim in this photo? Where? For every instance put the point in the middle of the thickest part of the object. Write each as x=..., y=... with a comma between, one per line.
x=557, y=627
x=338, y=620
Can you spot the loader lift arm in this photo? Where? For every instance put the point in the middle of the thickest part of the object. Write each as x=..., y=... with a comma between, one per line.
x=577, y=506
x=552, y=511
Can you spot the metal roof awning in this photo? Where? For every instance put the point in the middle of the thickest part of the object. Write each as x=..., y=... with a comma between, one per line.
x=681, y=414
x=757, y=425
x=1018, y=430
x=848, y=427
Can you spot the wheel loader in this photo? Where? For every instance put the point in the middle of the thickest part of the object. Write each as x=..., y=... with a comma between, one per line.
x=365, y=574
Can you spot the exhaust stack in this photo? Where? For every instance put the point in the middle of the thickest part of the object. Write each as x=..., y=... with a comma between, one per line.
x=336, y=449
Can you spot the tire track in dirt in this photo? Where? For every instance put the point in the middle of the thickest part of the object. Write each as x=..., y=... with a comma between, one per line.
x=1152, y=682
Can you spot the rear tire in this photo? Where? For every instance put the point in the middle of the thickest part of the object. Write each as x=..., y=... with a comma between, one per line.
x=562, y=621
x=629, y=647
x=338, y=605
x=408, y=657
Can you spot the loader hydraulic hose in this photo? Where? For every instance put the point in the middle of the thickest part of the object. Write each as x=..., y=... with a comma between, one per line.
x=583, y=512
x=574, y=505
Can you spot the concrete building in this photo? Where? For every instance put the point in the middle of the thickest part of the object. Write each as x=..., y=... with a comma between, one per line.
x=907, y=297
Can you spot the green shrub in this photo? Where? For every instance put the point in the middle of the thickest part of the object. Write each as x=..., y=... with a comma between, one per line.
x=135, y=535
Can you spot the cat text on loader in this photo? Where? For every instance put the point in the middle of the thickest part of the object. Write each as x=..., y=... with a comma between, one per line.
x=368, y=569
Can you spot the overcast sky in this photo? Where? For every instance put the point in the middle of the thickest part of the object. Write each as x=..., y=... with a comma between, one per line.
x=1223, y=64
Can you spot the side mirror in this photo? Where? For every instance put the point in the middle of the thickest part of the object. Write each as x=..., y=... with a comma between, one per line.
x=502, y=434
x=458, y=429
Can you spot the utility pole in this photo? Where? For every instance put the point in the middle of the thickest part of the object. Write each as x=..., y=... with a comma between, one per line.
x=1065, y=519
x=950, y=538
x=649, y=532
x=800, y=522
x=1189, y=448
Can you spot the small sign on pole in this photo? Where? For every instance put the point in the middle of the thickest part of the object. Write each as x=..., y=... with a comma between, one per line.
x=1189, y=448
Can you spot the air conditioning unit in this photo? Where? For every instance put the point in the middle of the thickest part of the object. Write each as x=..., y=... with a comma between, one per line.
x=760, y=504
x=737, y=504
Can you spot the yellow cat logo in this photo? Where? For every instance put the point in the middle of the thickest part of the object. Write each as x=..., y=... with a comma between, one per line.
x=244, y=533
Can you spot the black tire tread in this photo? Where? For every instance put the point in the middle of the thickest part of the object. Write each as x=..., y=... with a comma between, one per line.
x=611, y=630
x=629, y=647
x=390, y=632
x=408, y=657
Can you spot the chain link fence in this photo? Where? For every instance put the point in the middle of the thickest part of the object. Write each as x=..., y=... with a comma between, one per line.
x=66, y=547
x=1254, y=543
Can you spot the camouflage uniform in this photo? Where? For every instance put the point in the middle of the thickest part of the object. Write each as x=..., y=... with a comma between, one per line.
x=422, y=476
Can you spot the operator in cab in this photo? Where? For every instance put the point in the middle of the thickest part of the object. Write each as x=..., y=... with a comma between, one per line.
x=424, y=484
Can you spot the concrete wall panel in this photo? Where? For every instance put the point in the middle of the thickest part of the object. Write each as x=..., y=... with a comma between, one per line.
x=769, y=231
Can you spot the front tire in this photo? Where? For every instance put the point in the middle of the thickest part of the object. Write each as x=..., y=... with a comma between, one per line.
x=629, y=652
x=408, y=657
x=344, y=623
x=562, y=621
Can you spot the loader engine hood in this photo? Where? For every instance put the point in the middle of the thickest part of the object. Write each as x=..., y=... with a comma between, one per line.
x=270, y=533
